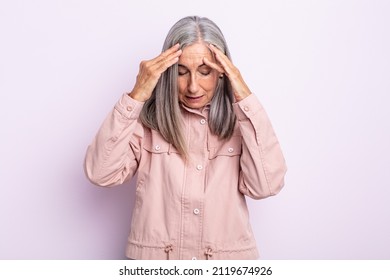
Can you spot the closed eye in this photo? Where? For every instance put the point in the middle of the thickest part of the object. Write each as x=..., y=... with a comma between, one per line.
x=204, y=70
x=205, y=73
x=182, y=70
x=181, y=73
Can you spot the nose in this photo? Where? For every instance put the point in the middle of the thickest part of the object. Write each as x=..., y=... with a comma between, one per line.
x=193, y=85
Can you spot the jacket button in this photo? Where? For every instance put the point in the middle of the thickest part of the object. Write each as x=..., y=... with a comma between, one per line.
x=196, y=211
x=194, y=258
x=199, y=167
x=230, y=150
x=202, y=121
x=157, y=147
x=129, y=108
x=246, y=108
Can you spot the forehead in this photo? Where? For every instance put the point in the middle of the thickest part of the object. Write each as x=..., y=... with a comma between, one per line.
x=193, y=55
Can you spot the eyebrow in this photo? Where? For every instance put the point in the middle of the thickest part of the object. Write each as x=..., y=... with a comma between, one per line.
x=203, y=64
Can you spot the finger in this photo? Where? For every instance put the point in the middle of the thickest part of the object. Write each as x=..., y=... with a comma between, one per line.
x=213, y=65
x=222, y=59
x=168, y=61
x=164, y=55
x=217, y=52
x=165, y=60
x=172, y=56
x=155, y=67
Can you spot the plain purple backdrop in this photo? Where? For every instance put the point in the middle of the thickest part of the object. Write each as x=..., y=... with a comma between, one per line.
x=320, y=68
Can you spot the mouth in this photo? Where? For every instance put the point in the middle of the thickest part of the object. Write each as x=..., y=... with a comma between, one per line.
x=194, y=98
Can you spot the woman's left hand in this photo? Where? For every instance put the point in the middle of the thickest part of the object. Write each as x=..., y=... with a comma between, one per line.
x=224, y=66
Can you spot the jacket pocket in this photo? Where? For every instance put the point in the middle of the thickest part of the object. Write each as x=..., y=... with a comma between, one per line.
x=156, y=144
x=229, y=148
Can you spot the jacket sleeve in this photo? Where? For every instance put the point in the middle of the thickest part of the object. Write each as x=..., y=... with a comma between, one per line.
x=262, y=163
x=114, y=153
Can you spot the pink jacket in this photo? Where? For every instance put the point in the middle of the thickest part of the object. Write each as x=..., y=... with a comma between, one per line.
x=194, y=209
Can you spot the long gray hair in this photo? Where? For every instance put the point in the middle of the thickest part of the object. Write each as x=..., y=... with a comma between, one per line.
x=162, y=110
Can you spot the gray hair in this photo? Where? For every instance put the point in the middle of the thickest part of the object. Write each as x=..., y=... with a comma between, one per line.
x=162, y=110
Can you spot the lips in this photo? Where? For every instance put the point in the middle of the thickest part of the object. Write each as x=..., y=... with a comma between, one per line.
x=194, y=98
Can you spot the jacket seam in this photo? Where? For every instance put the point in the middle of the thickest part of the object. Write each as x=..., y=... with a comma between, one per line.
x=182, y=199
x=146, y=246
x=261, y=151
x=141, y=245
x=235, y=250
x=124, y=121
x=108, y=150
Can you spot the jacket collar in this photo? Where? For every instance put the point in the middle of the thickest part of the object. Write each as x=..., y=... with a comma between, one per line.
x=201, y=111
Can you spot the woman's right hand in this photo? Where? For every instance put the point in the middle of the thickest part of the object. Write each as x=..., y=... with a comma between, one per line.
x=150, y=71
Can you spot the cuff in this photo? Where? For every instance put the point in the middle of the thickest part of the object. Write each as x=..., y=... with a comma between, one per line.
x=247, y=107
x=129, y=107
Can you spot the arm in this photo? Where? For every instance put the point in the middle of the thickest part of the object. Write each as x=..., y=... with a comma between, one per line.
x=262, y=163
x=114, y=153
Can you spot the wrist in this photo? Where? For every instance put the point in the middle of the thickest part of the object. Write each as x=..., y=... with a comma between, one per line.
x=241, y=96
x=138, y=96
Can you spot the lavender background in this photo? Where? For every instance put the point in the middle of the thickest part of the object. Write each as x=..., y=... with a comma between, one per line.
x=320, y=68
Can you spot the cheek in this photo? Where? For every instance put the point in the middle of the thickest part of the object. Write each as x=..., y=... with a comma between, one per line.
x=210, y=84
x=181, y=85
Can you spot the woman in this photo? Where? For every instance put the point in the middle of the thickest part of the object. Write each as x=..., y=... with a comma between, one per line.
x=199, y=140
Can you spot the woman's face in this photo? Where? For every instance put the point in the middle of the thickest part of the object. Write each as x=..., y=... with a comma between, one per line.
x=196, y=80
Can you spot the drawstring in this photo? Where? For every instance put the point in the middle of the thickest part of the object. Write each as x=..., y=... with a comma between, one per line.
x=168, y=249
x=208, y=253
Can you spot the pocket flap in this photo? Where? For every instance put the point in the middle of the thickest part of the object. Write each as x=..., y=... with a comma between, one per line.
x=231, y=147
x=155, y=143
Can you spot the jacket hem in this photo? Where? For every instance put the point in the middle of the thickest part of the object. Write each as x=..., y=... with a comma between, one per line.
x=139, y=251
